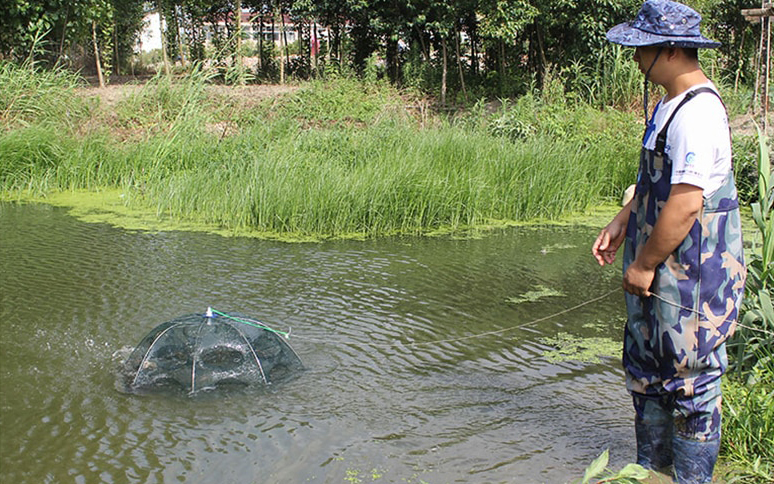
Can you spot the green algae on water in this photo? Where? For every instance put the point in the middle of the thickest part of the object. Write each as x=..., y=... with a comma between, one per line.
x=130, y=210
x=113, y=206
x=567, y=347
x=540, y=292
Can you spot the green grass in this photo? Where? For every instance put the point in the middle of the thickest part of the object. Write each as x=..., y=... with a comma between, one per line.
x=29, y=94
x=748, y=392
x=329, y=160
x=377, y=180
x=748, y=429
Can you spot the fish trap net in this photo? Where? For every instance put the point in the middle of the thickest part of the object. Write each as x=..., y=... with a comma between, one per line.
x=203, y=352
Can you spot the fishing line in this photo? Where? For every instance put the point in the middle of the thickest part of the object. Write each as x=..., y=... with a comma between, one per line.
x=476, y=335
x=472, y=336
x=512, y=328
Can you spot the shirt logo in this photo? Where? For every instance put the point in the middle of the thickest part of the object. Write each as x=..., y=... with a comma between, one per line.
x=690, y=157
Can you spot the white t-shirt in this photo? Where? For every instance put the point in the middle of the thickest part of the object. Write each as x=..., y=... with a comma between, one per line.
x=698, y=140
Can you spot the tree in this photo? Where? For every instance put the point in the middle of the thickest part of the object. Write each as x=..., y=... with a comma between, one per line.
x=71, y=31
x=502, y=26
x=127, y=25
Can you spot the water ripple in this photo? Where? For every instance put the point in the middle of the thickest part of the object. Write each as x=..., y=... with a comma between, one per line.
x=417, y=363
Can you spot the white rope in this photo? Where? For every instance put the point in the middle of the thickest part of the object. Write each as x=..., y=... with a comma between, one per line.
x=518, y=326
x=477, y=335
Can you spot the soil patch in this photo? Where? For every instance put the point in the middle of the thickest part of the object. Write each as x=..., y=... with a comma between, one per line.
x=112, y=94
x=745, y=124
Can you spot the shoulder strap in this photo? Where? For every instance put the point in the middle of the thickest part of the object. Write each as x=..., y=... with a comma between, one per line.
x=662, y=135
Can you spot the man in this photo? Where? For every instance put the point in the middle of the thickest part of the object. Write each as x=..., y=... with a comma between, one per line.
x=683, y=264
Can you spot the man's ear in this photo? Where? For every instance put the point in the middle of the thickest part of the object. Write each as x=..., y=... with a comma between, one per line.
x=673, y=52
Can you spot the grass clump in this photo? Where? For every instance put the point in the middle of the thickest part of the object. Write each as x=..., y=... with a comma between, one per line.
x=326, y=160
x=748, y=428
x=166, y=104
x=30, y=95
x=381, y=179
x=748, y=392
x=341, y=101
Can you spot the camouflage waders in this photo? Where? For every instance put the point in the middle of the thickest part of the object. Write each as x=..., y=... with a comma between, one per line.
x=674, y=354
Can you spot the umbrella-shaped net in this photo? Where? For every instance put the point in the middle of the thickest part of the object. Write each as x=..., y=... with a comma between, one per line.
x=208, y=351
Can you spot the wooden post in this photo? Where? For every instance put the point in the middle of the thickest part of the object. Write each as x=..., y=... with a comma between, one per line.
x=96, y=53
x=763, y=74
x=238, y=21
x=162, y=29
x=443, y=71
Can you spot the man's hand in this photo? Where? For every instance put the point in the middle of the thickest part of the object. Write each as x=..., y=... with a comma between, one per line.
x=611, y=237
x=638, y=279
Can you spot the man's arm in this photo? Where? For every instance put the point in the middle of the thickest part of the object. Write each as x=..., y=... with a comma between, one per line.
x=674, y=222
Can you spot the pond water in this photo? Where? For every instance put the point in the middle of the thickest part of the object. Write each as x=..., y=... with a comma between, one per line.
x=424, y=357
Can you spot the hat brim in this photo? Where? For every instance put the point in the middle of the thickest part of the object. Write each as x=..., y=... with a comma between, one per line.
x=629, y=36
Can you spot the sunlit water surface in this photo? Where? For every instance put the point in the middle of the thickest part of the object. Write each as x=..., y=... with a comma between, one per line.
x=419, y=369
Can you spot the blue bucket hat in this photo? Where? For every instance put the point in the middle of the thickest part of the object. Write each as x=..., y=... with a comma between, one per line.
x=662, y=23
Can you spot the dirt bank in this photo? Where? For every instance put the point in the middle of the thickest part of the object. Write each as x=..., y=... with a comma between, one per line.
x=114, y=93
x=250, y=95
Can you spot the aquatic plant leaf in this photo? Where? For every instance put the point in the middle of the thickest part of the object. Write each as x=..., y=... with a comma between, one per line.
x=632, y=471
x=764, y=166
x=766, y=305
x=596, y=467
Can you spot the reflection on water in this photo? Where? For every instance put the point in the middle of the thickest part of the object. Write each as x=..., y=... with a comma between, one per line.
x=419, y=369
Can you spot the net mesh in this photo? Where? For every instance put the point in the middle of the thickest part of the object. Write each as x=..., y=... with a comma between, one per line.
x=201, y=352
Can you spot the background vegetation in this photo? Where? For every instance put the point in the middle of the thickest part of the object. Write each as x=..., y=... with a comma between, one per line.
x=458, y=50
x=187, y=155
x=748, y=395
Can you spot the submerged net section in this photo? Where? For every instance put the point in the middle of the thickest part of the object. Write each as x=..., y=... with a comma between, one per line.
x=207, y=351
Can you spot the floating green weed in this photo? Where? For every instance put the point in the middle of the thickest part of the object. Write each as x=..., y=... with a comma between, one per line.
x=537, y=294
x=554, y=247
x=356, y=476
x=568, y=347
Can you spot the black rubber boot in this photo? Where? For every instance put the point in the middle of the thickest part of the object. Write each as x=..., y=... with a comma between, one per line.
x=654, y=444
x=694, y=460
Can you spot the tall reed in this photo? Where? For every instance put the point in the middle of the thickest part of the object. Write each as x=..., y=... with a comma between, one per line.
x=383, y=179
x=748, y=403
x=753, y=343
x=615, y=80
x=29, y=94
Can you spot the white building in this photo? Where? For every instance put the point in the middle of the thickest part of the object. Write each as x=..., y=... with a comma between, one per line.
x=150, y=37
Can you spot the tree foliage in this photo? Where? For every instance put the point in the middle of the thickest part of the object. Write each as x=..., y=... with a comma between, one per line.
x=502, y=46
x=66, y=31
